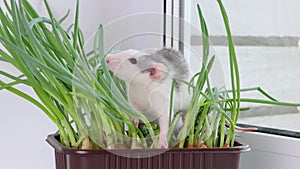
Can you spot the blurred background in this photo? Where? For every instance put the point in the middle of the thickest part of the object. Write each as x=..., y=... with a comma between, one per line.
x=266, y=34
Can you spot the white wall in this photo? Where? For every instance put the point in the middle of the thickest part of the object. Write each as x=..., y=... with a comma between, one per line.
x=23, y=127
x=122, y=21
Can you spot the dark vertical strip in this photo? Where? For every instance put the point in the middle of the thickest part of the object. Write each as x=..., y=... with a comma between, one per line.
x=172, y=23
x=181, y=25
x=165, y=22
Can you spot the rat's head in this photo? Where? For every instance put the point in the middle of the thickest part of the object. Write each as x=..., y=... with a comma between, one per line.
x=132, y=65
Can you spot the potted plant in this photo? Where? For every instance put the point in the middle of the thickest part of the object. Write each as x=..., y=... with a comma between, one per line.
x=89, y=107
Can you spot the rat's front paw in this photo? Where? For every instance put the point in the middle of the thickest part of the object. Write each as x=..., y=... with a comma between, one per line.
x=135, y=121
x=162, y=143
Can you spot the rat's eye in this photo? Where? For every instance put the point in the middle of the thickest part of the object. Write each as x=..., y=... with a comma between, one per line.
x=133, y=60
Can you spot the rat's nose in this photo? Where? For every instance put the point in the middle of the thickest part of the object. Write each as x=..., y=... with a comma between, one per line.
x=107, y=60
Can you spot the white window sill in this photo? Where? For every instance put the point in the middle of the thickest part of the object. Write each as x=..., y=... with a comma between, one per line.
x=270, y=151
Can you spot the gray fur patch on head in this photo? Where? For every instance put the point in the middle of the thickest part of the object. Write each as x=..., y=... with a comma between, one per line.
x=177, y=66
x=174, y=60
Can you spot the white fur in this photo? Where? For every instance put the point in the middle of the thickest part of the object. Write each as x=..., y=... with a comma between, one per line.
x=149, y=97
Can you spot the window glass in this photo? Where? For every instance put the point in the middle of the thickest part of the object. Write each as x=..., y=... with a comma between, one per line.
x=267, y=38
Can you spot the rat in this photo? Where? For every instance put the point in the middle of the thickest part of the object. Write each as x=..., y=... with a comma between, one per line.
x=148, y=78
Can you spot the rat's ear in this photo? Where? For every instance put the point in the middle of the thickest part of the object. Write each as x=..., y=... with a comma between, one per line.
x=158, y=71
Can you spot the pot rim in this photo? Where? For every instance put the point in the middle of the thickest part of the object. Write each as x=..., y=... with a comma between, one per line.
x=52, y=140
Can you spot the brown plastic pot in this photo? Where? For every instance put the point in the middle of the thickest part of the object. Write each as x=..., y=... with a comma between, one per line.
x=187, y=158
